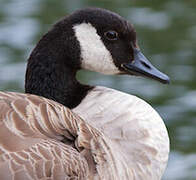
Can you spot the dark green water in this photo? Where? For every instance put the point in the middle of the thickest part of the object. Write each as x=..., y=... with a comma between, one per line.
x=167, y=35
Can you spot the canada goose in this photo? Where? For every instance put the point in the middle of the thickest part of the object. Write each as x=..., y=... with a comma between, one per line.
x=107, y=134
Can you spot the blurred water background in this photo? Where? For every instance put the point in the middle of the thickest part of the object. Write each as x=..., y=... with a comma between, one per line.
x=167, y=35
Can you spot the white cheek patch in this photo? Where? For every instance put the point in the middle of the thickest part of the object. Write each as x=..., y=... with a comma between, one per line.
x=94, y=54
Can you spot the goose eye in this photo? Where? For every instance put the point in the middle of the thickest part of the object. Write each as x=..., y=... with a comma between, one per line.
x=111, y=35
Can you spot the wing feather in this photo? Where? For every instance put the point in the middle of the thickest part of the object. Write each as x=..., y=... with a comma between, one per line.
x=31, y=131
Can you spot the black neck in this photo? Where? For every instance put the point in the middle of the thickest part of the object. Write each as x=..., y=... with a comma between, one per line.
x=58, y=84
x=51, y=71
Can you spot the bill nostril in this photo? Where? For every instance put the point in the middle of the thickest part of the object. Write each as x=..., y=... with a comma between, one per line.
x=145, y=64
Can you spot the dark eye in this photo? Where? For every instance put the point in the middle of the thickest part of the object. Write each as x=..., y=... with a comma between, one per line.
x=111, y=35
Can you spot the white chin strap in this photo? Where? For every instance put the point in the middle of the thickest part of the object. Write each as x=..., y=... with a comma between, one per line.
x=94, y=54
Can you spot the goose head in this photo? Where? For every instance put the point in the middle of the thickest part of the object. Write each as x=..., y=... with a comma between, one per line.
x=93, y=39
x=108, y=45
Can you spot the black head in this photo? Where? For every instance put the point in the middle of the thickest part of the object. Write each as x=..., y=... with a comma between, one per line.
x=115, y=33
x=108, y=44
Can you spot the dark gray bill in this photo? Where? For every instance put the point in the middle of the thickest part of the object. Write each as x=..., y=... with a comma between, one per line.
x=142, y=67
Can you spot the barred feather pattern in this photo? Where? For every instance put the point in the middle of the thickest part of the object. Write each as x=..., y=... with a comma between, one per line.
x=41, y=139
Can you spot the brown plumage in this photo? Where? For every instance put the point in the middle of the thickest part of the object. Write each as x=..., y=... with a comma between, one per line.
x=41, y=139
x=32, y=129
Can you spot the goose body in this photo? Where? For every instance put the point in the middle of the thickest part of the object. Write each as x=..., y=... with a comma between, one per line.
x=68, y=130
x=139, y=136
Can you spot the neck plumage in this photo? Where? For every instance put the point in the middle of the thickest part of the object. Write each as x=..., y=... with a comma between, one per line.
x=53, y=79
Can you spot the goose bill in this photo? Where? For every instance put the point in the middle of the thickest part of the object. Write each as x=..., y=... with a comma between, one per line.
x=140, y=66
